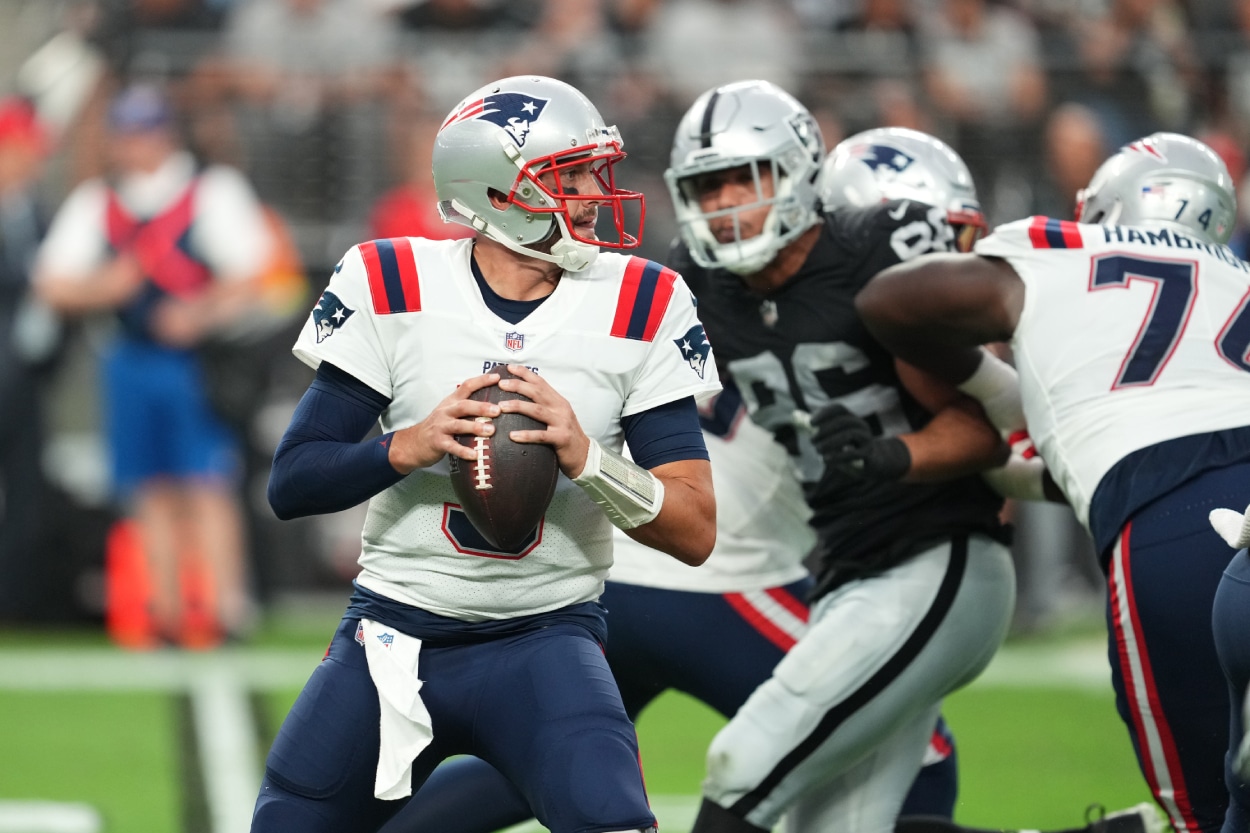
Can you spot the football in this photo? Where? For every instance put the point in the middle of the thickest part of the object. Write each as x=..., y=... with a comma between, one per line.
x=506, y=490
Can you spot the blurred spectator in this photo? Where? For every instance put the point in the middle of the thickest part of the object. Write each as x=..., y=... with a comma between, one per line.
x=410, y=208
x=869, y=70
x=696, y=44
x=983, y=72
x=28, y=339
x=313, y=81
x=1074, y=147
x=174, y=253
x=1134, y=66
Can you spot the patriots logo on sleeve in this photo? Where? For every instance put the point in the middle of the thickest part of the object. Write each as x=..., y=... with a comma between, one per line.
x=330, y=314
x=695, y=349
x=514, y=112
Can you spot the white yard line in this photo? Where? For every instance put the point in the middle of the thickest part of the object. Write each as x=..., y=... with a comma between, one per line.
x=228, y=753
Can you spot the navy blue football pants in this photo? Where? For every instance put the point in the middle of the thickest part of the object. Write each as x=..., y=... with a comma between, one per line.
x=1230, y=620
x=714, y=647
x=1170, y=690
x=542, y=707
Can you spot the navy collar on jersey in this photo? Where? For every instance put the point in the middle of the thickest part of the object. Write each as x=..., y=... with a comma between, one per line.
x=511, y=311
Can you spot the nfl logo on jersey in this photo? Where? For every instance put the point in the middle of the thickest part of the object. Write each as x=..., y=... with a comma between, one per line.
x=514, y=341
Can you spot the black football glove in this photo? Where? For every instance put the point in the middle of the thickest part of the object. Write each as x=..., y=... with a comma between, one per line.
x=847, y=444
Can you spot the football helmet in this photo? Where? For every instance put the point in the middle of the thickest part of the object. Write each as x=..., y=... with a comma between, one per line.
x=1164, y=179
x=755, y=124
x=517, y=140
x=897, y=163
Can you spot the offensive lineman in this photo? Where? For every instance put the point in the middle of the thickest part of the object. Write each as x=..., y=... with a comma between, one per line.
x=448, y=645
x=914, y=585
x=1131, y=331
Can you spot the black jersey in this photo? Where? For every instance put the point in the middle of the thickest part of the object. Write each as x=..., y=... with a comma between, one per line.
x=802, y=347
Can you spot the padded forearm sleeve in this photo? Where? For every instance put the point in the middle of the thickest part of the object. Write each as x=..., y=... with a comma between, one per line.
x=629, y=494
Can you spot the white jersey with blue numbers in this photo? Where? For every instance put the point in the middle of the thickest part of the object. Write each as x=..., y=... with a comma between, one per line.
x=762, y=534
x=1163, y=348
x=406, y=317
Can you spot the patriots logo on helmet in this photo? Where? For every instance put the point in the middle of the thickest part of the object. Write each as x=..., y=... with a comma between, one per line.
x=514, y=112
x=880, y=157
x=695, y=349
x=1147, y=148
x=329, y=314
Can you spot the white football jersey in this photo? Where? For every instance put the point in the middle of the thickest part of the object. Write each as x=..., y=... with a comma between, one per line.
x=406, y=317
x=761, y=523
x=1129, y=337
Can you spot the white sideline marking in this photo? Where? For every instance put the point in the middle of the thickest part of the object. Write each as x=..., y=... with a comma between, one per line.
x=109, y=669
x=49, y=817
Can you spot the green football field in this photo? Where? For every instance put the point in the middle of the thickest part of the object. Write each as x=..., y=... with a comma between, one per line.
x=96, y=739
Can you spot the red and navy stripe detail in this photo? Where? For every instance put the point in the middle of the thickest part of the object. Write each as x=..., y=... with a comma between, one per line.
x=645, y=293
x=1049, y=233
x=392, y=275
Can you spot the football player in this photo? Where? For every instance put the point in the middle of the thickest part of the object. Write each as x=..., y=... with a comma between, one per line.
x=449, y=645
x=914, y=586
x=1131, y=331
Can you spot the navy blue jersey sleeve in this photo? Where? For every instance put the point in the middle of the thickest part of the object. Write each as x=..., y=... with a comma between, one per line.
x=665, y=434
x=322, y=463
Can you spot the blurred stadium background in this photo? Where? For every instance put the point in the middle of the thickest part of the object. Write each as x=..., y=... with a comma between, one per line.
x=329, y=107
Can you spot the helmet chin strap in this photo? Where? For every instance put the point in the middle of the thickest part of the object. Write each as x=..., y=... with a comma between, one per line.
x=567, y=253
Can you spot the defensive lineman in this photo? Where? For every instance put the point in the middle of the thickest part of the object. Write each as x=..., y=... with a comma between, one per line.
x=508, y=644
x=915, y=587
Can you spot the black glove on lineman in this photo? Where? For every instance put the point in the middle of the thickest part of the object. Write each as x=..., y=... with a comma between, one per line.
x=847, y=444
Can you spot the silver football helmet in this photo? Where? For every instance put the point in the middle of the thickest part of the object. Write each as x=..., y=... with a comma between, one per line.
x=754, y=125
x=897, y=163
x=515, y=140
x=1164, y=179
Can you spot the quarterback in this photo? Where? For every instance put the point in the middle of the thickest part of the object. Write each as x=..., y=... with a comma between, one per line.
x=1131, y=335
x=449, y=645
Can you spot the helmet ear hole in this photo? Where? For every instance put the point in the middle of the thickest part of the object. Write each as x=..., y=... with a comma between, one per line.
x=497, y=198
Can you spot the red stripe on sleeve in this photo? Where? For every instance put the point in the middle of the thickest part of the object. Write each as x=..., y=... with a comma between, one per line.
x=373, y=269
x=407, y=273
x=629, y=294
x=659, y=302
x=1071, y=234
x=1037, y=233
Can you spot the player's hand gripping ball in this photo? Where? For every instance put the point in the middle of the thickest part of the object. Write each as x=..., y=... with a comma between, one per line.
x=506, y=490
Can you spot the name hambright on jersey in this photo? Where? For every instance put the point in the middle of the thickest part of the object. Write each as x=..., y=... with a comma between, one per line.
x=1165, y=237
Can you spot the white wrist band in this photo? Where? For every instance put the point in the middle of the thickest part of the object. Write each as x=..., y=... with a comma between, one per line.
x=1018, y=478
x=996, y=385
x=629, y=494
